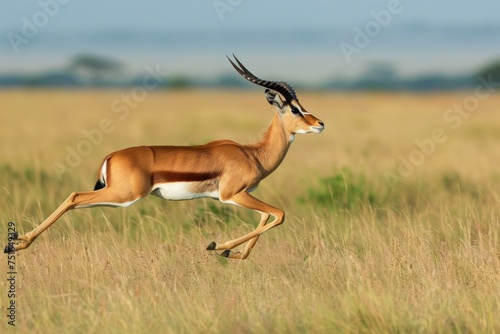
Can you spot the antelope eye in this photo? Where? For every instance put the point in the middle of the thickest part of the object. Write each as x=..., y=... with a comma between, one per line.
x=295, y=111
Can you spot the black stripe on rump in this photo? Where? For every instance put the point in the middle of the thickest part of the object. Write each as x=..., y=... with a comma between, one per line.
x=99, y=185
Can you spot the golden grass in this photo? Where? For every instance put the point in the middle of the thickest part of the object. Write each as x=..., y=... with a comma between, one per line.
x=423, y=257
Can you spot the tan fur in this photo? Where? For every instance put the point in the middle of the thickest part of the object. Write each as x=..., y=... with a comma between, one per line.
x=223, y=166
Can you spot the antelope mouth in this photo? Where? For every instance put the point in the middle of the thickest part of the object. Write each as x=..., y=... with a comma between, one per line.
x=317, y=129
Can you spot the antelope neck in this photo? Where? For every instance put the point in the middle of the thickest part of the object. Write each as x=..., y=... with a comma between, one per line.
x=271, y=150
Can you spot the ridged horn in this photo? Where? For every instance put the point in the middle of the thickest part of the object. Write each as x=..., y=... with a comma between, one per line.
x=280, y=86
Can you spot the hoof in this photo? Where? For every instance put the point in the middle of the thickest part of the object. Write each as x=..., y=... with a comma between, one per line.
x=225, y=253
x=15, y=235
x=212, y=246
x=9, y=249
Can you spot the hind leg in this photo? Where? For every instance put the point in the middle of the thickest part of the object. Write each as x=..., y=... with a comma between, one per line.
x=77, y=200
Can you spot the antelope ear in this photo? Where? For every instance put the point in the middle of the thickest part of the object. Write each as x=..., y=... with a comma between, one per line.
x=275, y=99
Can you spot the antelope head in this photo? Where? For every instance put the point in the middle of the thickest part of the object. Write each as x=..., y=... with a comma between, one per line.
x=283, y=97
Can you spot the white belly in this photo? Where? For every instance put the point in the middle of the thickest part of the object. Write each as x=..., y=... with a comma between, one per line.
x=178, y=191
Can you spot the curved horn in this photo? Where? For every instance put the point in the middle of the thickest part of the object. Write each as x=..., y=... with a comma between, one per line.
x=280, y=86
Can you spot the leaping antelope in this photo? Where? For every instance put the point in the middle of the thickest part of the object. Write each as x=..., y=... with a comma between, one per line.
x=223, y=170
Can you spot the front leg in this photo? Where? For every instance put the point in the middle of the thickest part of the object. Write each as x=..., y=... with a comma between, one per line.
x=248, y=201
x=248, y=247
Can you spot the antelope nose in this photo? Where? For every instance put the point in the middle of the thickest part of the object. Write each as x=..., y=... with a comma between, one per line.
x=321, y=123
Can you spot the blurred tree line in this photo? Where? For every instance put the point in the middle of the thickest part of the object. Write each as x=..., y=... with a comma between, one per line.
x=90, y=70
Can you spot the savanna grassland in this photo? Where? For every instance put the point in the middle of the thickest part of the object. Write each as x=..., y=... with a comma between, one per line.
x=392, y=217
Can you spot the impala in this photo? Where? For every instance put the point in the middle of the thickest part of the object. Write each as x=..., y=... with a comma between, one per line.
x=222, y=169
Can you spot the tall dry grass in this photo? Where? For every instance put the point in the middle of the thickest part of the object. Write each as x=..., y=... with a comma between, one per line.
x=361, y=251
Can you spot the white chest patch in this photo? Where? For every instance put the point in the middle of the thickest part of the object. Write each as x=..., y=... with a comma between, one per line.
x=178, y=191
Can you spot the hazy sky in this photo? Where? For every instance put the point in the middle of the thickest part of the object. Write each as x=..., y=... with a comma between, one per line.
x=206, y=26
x=85, y=15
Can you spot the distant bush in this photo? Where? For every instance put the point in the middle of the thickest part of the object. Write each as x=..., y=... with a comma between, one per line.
x=493, y=70
x=347, y=190
x=179, y=82
x=342, y=190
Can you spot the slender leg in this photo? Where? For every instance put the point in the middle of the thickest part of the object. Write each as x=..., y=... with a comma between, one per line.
x=248, y=201
x=103, y=197
x=249, y=246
